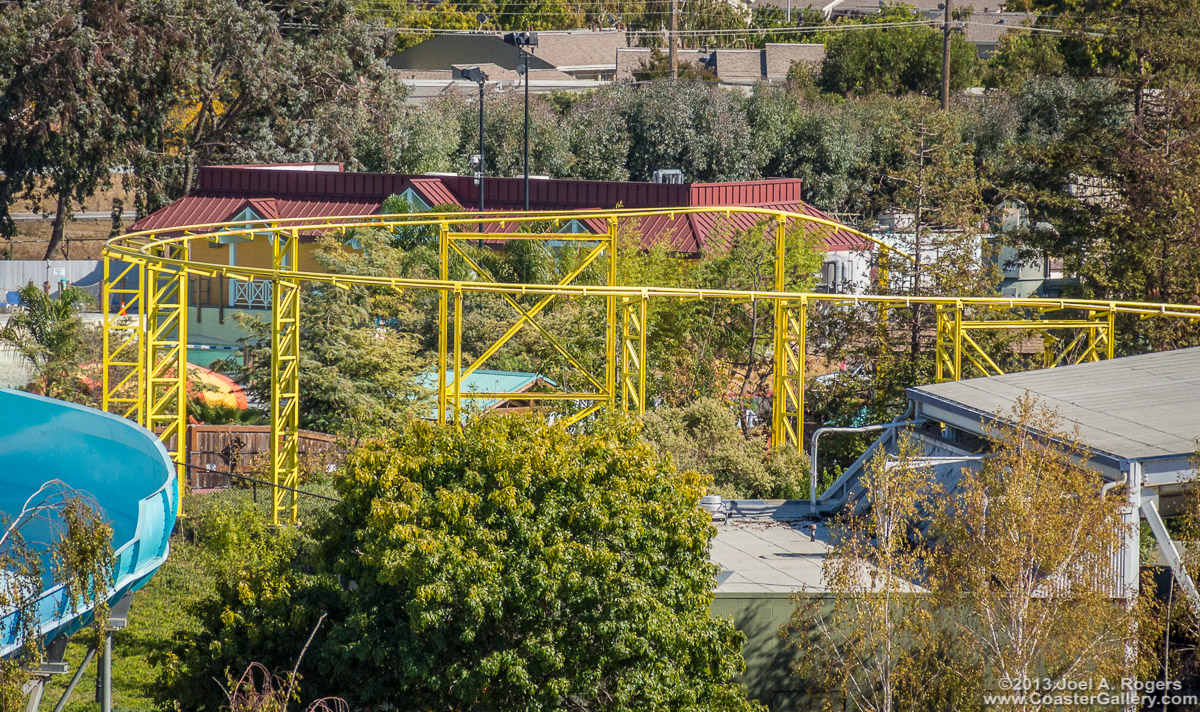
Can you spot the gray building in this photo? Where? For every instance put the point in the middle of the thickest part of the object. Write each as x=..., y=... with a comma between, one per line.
x=1137, y=417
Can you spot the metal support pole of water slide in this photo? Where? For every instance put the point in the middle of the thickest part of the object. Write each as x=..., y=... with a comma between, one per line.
x=106, y=674
x=34, y=690
x=66, y=695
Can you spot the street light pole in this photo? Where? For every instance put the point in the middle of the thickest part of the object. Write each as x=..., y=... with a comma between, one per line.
x=526, y=131
x=526, y=40
x=481, y=160
x=477, y=75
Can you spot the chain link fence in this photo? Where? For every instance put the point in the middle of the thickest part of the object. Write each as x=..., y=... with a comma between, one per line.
x=226, y=489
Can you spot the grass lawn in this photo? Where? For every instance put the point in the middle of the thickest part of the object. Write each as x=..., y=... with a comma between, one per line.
x=160, y=612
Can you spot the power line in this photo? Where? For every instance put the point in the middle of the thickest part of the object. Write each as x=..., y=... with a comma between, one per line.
x=693, y=33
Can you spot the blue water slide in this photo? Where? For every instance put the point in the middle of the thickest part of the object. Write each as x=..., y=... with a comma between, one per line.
x=119, y=464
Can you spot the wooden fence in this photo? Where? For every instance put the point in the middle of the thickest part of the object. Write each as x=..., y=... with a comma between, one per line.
x=244, y=450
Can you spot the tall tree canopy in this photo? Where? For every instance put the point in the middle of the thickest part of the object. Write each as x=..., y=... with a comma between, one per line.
x=73, y=73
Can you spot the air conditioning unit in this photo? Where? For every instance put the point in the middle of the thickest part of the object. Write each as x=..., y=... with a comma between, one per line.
x=668, y=175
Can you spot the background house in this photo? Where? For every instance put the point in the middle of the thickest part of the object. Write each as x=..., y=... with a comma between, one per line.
x=571, y=59
x=732, y=66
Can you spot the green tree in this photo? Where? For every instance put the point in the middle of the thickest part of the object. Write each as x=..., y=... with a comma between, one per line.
x=264, y=604
x=658, y=66
x=741, y=336
x=926, y=174
x=70, y=71
x=598, y=137
x=1025, y=56
x=1036, y=601
x=892, y=60
x=59, y=538
x=1116, y=189
x=504, y=136
x=1005, y=570
x=49, y=335
x=490, y=588
x=830, y=145
x=704, y=436
x=512, y=565
x=420, y=139
x=358, y=373
x=866, y=642
x=255, y=82
x=689, y=125
x=417, y=15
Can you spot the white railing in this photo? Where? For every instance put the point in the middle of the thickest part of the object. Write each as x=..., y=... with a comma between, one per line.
x=255, y=294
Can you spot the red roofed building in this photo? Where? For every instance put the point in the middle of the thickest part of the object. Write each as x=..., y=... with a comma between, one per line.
x=224, y=192
x=248, y=193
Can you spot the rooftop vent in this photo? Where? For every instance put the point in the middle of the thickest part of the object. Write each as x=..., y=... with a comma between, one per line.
x=712, y=504
x=668, y=175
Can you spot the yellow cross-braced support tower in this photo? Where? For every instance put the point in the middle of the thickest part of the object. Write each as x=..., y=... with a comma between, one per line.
x=165, y=351
x=285, y=377
x=948, y=342
x=443, y=296
x=956, y=349
x=123, y=387
x=633, y=354
x=791, y=325
x=611, y=357
x=787, y=407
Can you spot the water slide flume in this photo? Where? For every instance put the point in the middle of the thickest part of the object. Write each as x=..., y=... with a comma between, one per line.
x=121, y=466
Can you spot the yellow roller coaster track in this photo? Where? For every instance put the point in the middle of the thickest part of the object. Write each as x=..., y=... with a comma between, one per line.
x=145, y=355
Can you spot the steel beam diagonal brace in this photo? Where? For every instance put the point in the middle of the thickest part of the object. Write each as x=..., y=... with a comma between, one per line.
x=530, y=319
x=532, y=312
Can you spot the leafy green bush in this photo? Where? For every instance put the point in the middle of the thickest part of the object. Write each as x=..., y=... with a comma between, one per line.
x=512, y=565
x=704, y=437
x=265, y=602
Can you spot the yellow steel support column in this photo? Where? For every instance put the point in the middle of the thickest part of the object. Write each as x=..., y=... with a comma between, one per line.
x=285, y=376
x=779, y=408
x=633, y=354
x=444, y=249
x=165, y=354
x=1112, y=332
x=1101, y=335
x=456, y=384
x=123, y=388
x=949, y=341
x=610, y=333
x=787, y=409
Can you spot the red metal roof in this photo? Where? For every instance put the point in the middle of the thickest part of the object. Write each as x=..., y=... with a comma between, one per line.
x=434, y=192
x=223, y=191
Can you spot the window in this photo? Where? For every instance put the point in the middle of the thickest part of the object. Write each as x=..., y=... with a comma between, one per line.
x=245, y=215
x=418, y=205
x=574, y=227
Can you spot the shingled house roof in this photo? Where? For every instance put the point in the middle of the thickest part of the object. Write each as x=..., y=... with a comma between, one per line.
x=580, y=49
x=564, y=51
x=224, y=191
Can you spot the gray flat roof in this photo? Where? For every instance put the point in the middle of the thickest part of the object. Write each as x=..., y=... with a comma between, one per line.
x=1129, y=408
x=759, y=556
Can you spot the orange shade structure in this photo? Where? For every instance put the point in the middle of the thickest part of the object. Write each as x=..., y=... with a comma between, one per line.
x=215, y=388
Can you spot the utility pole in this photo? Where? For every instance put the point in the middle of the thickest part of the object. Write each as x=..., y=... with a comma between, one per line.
x=946, y=57
x=673, y=41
